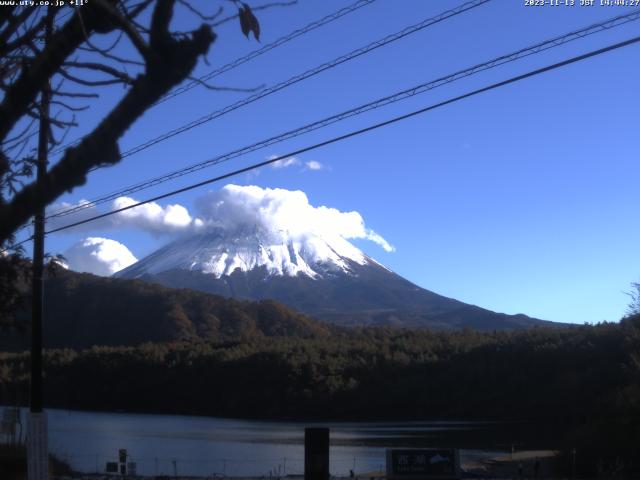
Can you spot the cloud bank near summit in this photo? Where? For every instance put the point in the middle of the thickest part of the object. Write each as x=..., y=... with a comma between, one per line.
x=233, y=208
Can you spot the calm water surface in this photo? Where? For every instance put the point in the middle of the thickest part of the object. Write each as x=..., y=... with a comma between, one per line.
x=164, y=444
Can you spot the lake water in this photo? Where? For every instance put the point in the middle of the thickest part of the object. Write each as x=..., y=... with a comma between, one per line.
x=166, y=444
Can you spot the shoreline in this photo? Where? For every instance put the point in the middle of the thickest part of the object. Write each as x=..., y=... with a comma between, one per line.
x=311, y=420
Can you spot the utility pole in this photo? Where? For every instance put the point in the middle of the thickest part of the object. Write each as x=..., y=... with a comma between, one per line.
x=37, y=446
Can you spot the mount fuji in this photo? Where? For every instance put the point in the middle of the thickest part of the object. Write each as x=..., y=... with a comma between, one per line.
x=319, y=274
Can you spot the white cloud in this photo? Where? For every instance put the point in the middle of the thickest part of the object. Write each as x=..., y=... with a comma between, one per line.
x=294, y=161
x=284, y=163
x=236, y=207
x=151, y=217
x=232, y=207
x=100, y=256
x=314, y=165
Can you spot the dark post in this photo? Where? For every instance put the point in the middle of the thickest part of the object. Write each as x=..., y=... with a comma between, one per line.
x=316, y=453
x=38, y=262
x=38, y=454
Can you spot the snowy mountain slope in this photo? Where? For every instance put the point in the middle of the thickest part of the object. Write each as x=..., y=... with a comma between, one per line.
x=320, y=275
x=220, y=254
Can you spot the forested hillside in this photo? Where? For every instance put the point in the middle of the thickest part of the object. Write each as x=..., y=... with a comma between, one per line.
x=573, y=387
x=196, y=353
x=83, y=310
x=588, y=375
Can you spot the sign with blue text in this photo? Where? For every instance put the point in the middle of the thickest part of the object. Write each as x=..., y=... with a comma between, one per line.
x=411, y=463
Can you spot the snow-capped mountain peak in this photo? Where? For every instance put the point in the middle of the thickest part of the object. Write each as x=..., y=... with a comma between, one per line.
x=221, y=252
x=254, y=243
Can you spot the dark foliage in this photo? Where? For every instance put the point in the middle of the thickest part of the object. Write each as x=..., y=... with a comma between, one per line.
x=207, y=355
x=14, y=273
x=85, y=310
x=584, y=382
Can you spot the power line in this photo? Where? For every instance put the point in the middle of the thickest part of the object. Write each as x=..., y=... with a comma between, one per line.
x=310, y=73
x=305, y=75
x=402, y=95
x=251, y=55
x=370, y=128
x=268, y=47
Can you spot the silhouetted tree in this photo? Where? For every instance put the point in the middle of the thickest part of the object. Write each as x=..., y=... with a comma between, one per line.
x=634, y=305
x=74, y=53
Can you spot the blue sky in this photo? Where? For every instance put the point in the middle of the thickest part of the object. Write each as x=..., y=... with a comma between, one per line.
x=523, y=199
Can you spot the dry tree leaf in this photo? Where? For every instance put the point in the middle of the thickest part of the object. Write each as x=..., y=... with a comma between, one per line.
x=248, y=22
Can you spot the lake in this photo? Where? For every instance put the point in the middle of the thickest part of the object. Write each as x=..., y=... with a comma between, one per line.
x=188, y=445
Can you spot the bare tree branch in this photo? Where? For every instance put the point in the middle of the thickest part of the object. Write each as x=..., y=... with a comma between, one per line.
x=60, y=93
x=123, y=77
x=218, y=88
x=69, y=107
x=72, y=54
x=200, y=15
x=169, y=61
x=126, y=26
x=106, y=54
x=24, y=91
